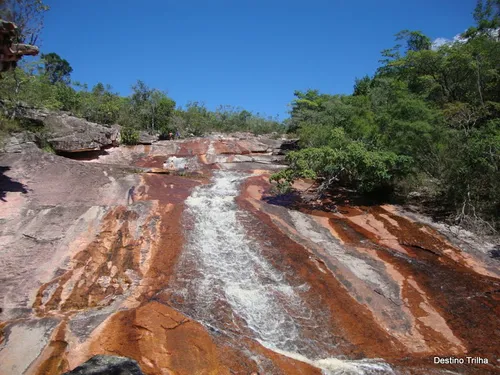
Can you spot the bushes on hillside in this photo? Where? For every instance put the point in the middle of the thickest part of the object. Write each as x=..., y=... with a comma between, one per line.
x=129, y=136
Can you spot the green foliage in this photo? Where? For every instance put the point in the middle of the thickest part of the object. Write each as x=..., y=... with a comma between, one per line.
x=415, y=40
x=362, y=86
x=7, y=126
x=25, y=86
x=56, y=69
x=148, y=108
x=100, y=105
x=428, y=114
x=196, y=119
x=48, y=148
x=129, y=136
x=345, y=163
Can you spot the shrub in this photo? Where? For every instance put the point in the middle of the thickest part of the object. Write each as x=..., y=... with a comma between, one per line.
x=129, y=136
x=354, y=166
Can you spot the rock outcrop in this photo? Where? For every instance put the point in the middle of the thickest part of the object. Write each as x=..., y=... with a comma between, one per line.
x=146, y=139
x=64, y=133
x=19, y=142
x=107, y=365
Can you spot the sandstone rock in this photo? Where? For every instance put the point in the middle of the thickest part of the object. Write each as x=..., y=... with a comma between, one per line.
x=72, y=134
x=107, y=365
x=146, y=139
x=19, y=142
x=67, y=133
x=253, y=145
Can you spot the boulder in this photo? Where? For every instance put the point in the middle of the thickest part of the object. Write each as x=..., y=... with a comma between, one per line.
x=66, y=133
x=107, y=365
x=146, y=139
x=72, y=134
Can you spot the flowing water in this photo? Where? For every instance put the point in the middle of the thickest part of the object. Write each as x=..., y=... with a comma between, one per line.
x=224, y=282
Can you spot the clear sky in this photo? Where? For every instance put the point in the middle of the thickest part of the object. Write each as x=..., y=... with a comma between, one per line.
x=248, y=53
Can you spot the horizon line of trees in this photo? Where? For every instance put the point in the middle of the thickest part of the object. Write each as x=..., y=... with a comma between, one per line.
x=46, y=83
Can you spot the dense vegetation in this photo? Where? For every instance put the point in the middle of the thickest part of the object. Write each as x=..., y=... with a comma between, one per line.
x=429, y=119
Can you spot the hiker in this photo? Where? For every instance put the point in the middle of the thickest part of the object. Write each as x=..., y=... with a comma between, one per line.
x=131, y=195
x=177, y=134
x=171, y=136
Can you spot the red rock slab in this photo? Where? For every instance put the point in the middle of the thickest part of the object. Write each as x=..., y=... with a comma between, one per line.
x=151, y=161
x=159, y=338
x=440, y=290
x=227, y=146
x=53, y=359
x=167, y=188
x=357, y=331
x=98, y=272
x=253, y=146
x=193, y=147
x=435, y=274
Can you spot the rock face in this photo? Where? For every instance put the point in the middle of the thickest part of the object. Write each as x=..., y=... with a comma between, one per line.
x=19, y=142
x=107, y=365
x=68, y=134
x=146, y=139
x=203, y=271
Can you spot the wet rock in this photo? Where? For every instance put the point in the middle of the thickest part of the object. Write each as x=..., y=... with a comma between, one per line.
x=107, y=365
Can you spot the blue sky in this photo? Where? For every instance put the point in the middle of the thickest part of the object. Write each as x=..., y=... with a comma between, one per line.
x=247, y=53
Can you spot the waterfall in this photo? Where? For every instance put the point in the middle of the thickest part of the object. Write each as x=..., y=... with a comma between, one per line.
x=224, y=282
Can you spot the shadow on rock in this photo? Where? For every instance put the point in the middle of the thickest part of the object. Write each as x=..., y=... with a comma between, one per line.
x=9, y=185
x=289, y=200
x=107, y=365
x=330, y=200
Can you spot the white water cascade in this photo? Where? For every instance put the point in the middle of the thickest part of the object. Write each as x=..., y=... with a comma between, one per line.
x=224, y=282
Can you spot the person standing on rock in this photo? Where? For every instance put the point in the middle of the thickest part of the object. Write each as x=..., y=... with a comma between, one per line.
x=131, y=195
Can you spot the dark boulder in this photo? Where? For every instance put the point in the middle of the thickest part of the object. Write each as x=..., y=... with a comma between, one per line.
x=107, y=365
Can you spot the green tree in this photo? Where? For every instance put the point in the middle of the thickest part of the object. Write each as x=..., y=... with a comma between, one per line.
x=57, y=69
x=362, y=86
x=415, y=40
x=149, y=108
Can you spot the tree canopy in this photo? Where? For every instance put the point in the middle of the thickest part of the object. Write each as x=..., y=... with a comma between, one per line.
x=428, y=114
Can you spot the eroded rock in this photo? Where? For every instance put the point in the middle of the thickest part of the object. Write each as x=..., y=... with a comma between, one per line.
x=66, y=133
x=107, y=365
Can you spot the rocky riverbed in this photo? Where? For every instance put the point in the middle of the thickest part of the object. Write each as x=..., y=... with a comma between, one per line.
x=203, y=271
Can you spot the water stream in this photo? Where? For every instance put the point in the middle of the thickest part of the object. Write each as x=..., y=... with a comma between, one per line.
x=223, y=281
